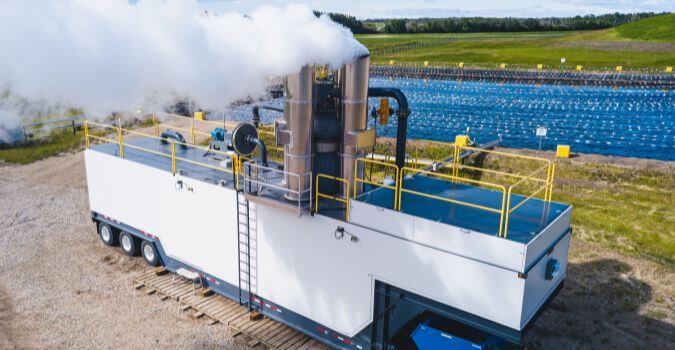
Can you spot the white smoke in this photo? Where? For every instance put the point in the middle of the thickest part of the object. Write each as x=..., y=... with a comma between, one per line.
x=110, y=55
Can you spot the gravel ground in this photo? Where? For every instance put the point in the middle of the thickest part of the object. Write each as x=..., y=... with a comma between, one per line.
x=61, y=288
x=73, y=292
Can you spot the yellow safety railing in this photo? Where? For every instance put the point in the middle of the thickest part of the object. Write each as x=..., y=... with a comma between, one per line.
x=505, y=207
x=239, y=169
x=358, y=180
x=548, y=164
x=500, y=211
x=531, y=177
x=173, y=156
x=335, y=198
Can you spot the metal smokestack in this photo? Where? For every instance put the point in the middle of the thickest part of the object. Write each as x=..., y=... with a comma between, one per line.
x=298, y=132
x=353, y=80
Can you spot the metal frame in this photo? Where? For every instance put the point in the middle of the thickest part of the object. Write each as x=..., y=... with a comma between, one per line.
x=260, y=181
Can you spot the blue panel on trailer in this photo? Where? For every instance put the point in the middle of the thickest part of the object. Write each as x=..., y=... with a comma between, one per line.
x=428, y=338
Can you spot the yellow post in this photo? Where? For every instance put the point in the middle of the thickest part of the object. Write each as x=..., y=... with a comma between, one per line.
x=501, y=216
x=86, y=133
x=550, y=190
x=323, y=72
x=563, y=151
x=192, y=131
x=502, y=66
x=540, y=66
x=155, y=124
x=669, y=69
x=461, y=140
x=173, y=158
x=548, y=181
x=579, y=67
x=461, y=65
x=120, y=142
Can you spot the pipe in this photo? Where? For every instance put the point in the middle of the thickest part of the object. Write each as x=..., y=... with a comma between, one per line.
x=261, y=147
x=402, y=115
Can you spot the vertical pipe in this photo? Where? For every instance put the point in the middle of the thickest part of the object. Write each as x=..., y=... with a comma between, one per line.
x=298, y=117
x=353, y=80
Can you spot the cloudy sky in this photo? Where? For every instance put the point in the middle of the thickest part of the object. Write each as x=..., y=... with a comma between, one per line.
x=456, y=8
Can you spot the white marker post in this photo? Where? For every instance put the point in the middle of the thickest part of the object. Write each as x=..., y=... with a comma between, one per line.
x=541, y=133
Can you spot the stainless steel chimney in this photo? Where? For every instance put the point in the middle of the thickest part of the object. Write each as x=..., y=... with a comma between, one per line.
x=298, y=129
x=353, y=81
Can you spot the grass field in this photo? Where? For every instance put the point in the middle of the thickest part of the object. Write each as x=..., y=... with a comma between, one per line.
x=53, y=144
x=644, y=45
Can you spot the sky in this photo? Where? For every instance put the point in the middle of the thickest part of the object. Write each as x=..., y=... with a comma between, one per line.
x=364, y=9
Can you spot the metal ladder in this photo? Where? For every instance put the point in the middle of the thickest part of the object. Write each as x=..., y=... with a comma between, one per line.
x=247, y=259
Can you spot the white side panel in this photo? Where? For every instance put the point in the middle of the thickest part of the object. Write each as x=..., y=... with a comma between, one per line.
x=475, y=245
x=548, y=235
x=381, y=219
x=471, y=244
x=195, y=226
x=537, y=288
x=302, y=267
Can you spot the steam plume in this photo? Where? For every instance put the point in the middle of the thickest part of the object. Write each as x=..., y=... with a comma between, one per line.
x=110, y=55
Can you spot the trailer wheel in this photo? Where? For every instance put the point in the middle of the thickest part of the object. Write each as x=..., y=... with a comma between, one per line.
x=149, y=253
x=128, y=243
x=107, y=234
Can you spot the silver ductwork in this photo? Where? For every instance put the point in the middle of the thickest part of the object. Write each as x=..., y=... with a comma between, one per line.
x=353, y=81
x=297, y=133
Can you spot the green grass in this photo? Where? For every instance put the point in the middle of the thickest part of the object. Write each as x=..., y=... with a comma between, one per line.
x=50, y=145
x=529, y=49
x=659, y=28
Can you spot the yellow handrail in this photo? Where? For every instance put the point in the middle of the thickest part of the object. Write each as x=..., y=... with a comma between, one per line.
x=172, y=156
x=510, y=210
x=453, y=179
x=335, y=198
x=364, y=181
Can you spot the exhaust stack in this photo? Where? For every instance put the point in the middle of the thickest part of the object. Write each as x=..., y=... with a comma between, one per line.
x=297, y=133
x=354, y=86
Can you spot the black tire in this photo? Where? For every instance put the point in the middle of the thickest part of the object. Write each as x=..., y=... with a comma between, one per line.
x=149, y=253
x=129, y=243
x=107, y=234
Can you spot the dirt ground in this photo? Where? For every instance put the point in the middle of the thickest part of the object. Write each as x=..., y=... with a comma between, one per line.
x=61, y=288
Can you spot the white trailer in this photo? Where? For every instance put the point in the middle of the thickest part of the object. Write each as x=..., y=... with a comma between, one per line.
x=390, y=260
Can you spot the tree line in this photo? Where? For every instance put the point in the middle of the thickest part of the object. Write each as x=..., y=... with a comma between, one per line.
x=485, y=24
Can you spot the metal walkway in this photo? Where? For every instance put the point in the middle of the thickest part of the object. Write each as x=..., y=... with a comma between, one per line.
x=205, y=303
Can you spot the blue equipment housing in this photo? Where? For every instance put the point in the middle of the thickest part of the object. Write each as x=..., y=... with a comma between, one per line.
x=218, y=134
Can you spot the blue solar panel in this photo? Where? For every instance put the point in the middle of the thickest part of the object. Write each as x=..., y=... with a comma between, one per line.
x=632, y=122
